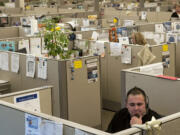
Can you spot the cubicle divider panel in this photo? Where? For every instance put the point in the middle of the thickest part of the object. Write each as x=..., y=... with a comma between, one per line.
x=84, y=96
x=19, y=81
x=170, y=127
x=158, y=52
x=52, y=79
x=112, y=93
x=44, y=98
x=9, y=32
x=163, y=16
x=177, y=59
x=164, y=94
x=14, y=79
x=146, y=27
x=12, y=121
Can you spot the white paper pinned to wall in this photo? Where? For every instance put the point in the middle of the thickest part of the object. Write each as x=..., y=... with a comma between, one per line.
x=95, y=35
x=51, y=128
x=24, y=44
x=85, y=22
x=126, y=54
x=143, y=15
x=124, y=40
x=128, y=23
x=34, y=26
x=115, y=49
x=159, y=28
x=100, y=47
x=35, y=46
x=29, y=101
x=30, y=66
x=42, y=68
x=153, y=69
x=4, y=61
x=15, y=63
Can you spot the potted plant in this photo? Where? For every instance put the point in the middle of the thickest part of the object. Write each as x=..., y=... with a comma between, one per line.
x=56, y=41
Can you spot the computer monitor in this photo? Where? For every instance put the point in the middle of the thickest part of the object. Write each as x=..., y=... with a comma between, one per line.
x=3, y=20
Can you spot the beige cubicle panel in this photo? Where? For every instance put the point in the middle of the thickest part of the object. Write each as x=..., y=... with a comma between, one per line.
x=84, y=102
x=158, y=50
x=177, y=60
x=57, y=76
x=111, y=90
x=44, y=97
x=9, y=32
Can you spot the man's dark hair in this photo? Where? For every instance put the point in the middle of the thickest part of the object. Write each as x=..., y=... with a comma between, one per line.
x=137, y=91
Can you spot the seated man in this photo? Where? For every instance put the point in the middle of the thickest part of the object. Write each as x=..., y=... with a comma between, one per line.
x=176, y=14
x=137, y=111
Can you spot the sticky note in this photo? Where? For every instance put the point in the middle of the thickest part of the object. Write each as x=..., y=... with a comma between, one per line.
x=115, y=20
x=165, y=48
x=77, y=64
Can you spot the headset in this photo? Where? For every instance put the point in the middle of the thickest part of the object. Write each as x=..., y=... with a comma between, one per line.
x=136, y=91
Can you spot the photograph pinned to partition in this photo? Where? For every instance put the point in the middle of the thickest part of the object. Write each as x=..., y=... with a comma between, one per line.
x=7, y=45
x=30, y=66
x=92, y=72
x=171, y=38
x=167, y=26
x=32, y=124
x=176, y=26
x=165, y=56
x=122, y=31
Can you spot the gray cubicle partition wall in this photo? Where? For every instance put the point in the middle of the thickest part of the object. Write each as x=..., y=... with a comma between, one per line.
x=164, y=94
x=44, y=97
x=58, y=72
x=14, y=121
x=111, y=71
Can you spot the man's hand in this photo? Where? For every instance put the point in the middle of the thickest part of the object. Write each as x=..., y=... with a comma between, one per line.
x=135, y=120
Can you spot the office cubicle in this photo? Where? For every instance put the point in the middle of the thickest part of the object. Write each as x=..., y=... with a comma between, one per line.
x=15, y=122
x=76, y=94
x=37, y=99
x=18, y=120
x=163, y=93
x=111, y=67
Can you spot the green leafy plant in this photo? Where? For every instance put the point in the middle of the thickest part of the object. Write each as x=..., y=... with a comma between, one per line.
x=56, y=41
